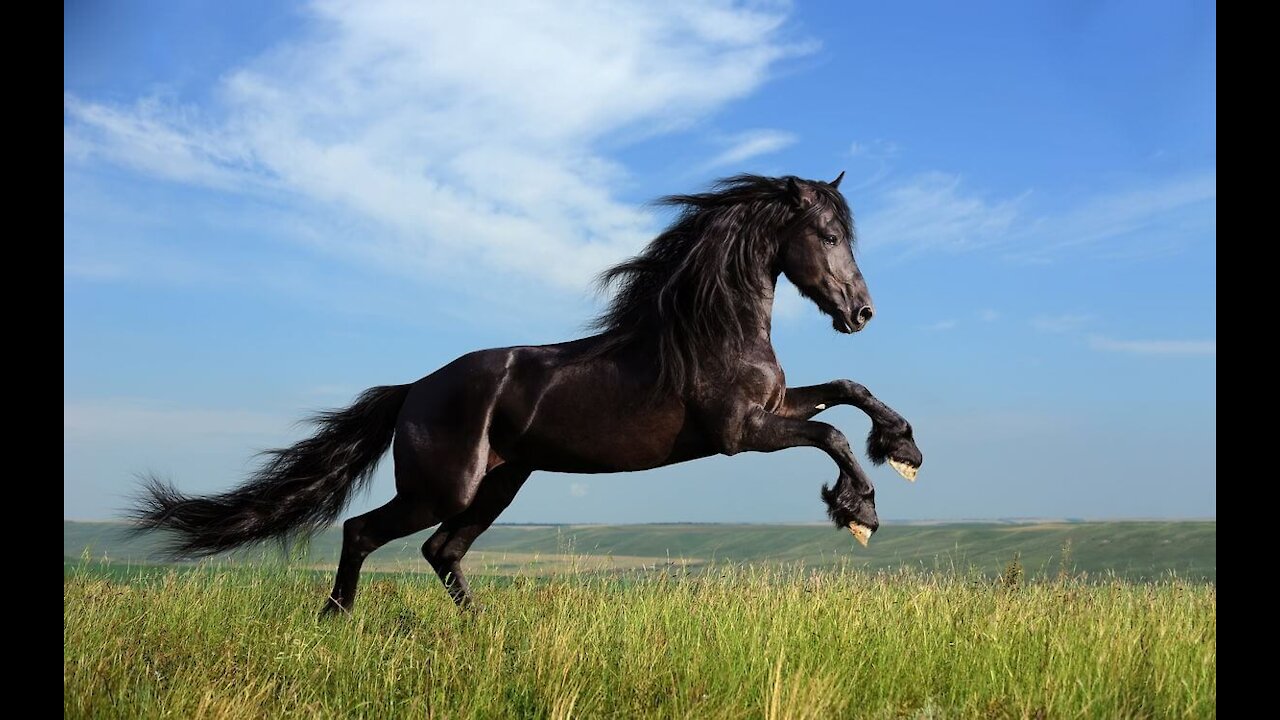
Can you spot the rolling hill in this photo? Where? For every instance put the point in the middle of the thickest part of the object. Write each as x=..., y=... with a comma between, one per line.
x=1133, y=550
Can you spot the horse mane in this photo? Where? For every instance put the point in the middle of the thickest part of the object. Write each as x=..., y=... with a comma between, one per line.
x=682, y=296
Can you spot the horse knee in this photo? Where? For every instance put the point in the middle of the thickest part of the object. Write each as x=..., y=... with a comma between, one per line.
x=831, y=437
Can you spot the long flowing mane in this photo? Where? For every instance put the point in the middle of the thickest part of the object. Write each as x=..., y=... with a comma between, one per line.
x=685, y=293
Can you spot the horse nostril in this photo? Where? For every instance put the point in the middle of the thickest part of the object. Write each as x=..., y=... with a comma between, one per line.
x=864, y=315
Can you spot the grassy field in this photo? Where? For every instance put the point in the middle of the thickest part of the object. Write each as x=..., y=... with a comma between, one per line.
x=729, y=642
x=690, y=621
x=1138, y=551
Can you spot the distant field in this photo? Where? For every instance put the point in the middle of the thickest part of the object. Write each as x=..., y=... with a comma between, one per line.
x=744, y=642
x=1136, y=551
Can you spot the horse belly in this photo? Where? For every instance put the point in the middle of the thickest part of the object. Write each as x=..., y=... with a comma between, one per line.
x=603, y=431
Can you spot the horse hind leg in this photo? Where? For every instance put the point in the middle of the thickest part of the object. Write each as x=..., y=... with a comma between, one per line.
x=363, y=534
x=446, y=547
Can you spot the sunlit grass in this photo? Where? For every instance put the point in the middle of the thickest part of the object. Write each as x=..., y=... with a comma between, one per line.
x=740, y=642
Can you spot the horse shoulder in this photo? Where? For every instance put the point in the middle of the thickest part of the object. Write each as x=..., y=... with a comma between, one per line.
x=725, y=407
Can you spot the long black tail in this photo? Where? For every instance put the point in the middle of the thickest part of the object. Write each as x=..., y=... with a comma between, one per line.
x=297, y=491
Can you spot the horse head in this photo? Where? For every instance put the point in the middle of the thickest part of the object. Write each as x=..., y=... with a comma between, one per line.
x=816, y=253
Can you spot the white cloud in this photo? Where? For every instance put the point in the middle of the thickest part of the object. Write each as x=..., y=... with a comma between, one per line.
x=1073, y=323
x=751, y=144
x=158, y=139
x=1155, y=347
x=878, y=149
x=988, y=315
x=942, y=325
x=471, y=139
x=933, y=213
x=1061, y=323
x=871, y=164
x=578, y=489
x=1156, y=215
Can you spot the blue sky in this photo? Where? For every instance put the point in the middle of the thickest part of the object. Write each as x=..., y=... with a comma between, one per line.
x=270, y=207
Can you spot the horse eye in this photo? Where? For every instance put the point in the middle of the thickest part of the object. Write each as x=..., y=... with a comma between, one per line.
x=829, y=240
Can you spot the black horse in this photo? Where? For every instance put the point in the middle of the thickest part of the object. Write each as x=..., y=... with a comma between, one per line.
x=683, y=368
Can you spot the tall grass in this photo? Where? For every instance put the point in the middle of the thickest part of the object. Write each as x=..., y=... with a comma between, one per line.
x=739, y=643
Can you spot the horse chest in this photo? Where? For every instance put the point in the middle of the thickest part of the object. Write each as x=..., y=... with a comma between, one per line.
x=776, y=397
x=766, y=385
x=777, y=391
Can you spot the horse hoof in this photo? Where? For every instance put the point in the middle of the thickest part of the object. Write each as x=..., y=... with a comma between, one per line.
x=332, y=609
x=906, y=470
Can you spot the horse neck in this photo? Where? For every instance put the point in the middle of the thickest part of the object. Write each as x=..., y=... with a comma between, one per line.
x=757, y=317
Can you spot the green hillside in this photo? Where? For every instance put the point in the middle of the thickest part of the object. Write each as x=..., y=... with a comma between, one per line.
x=1130, y=549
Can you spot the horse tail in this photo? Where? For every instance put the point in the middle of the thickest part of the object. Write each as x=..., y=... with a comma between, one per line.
x=295, y=492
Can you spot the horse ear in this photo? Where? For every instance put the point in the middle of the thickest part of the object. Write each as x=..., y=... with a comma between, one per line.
x=800, y=198
x=836, y=183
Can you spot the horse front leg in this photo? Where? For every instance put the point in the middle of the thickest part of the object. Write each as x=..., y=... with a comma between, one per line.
x=891, y=435
x=852, y=502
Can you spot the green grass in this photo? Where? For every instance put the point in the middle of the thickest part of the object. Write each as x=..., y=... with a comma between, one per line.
x=1139, y=551
x=729, y=642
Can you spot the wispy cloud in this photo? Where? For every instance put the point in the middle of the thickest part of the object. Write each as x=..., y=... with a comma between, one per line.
x=942, y=325
x=1061, y=323
x=1074, y=323
x=159, y=139
x=871, y=163
x=578, y=489
x=471, y=139
x=879, y=149
x=933, y=212
x=1154, y=347
x=1129, y=222
x=989, y=315
x=938, y=212
x=751, y=144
